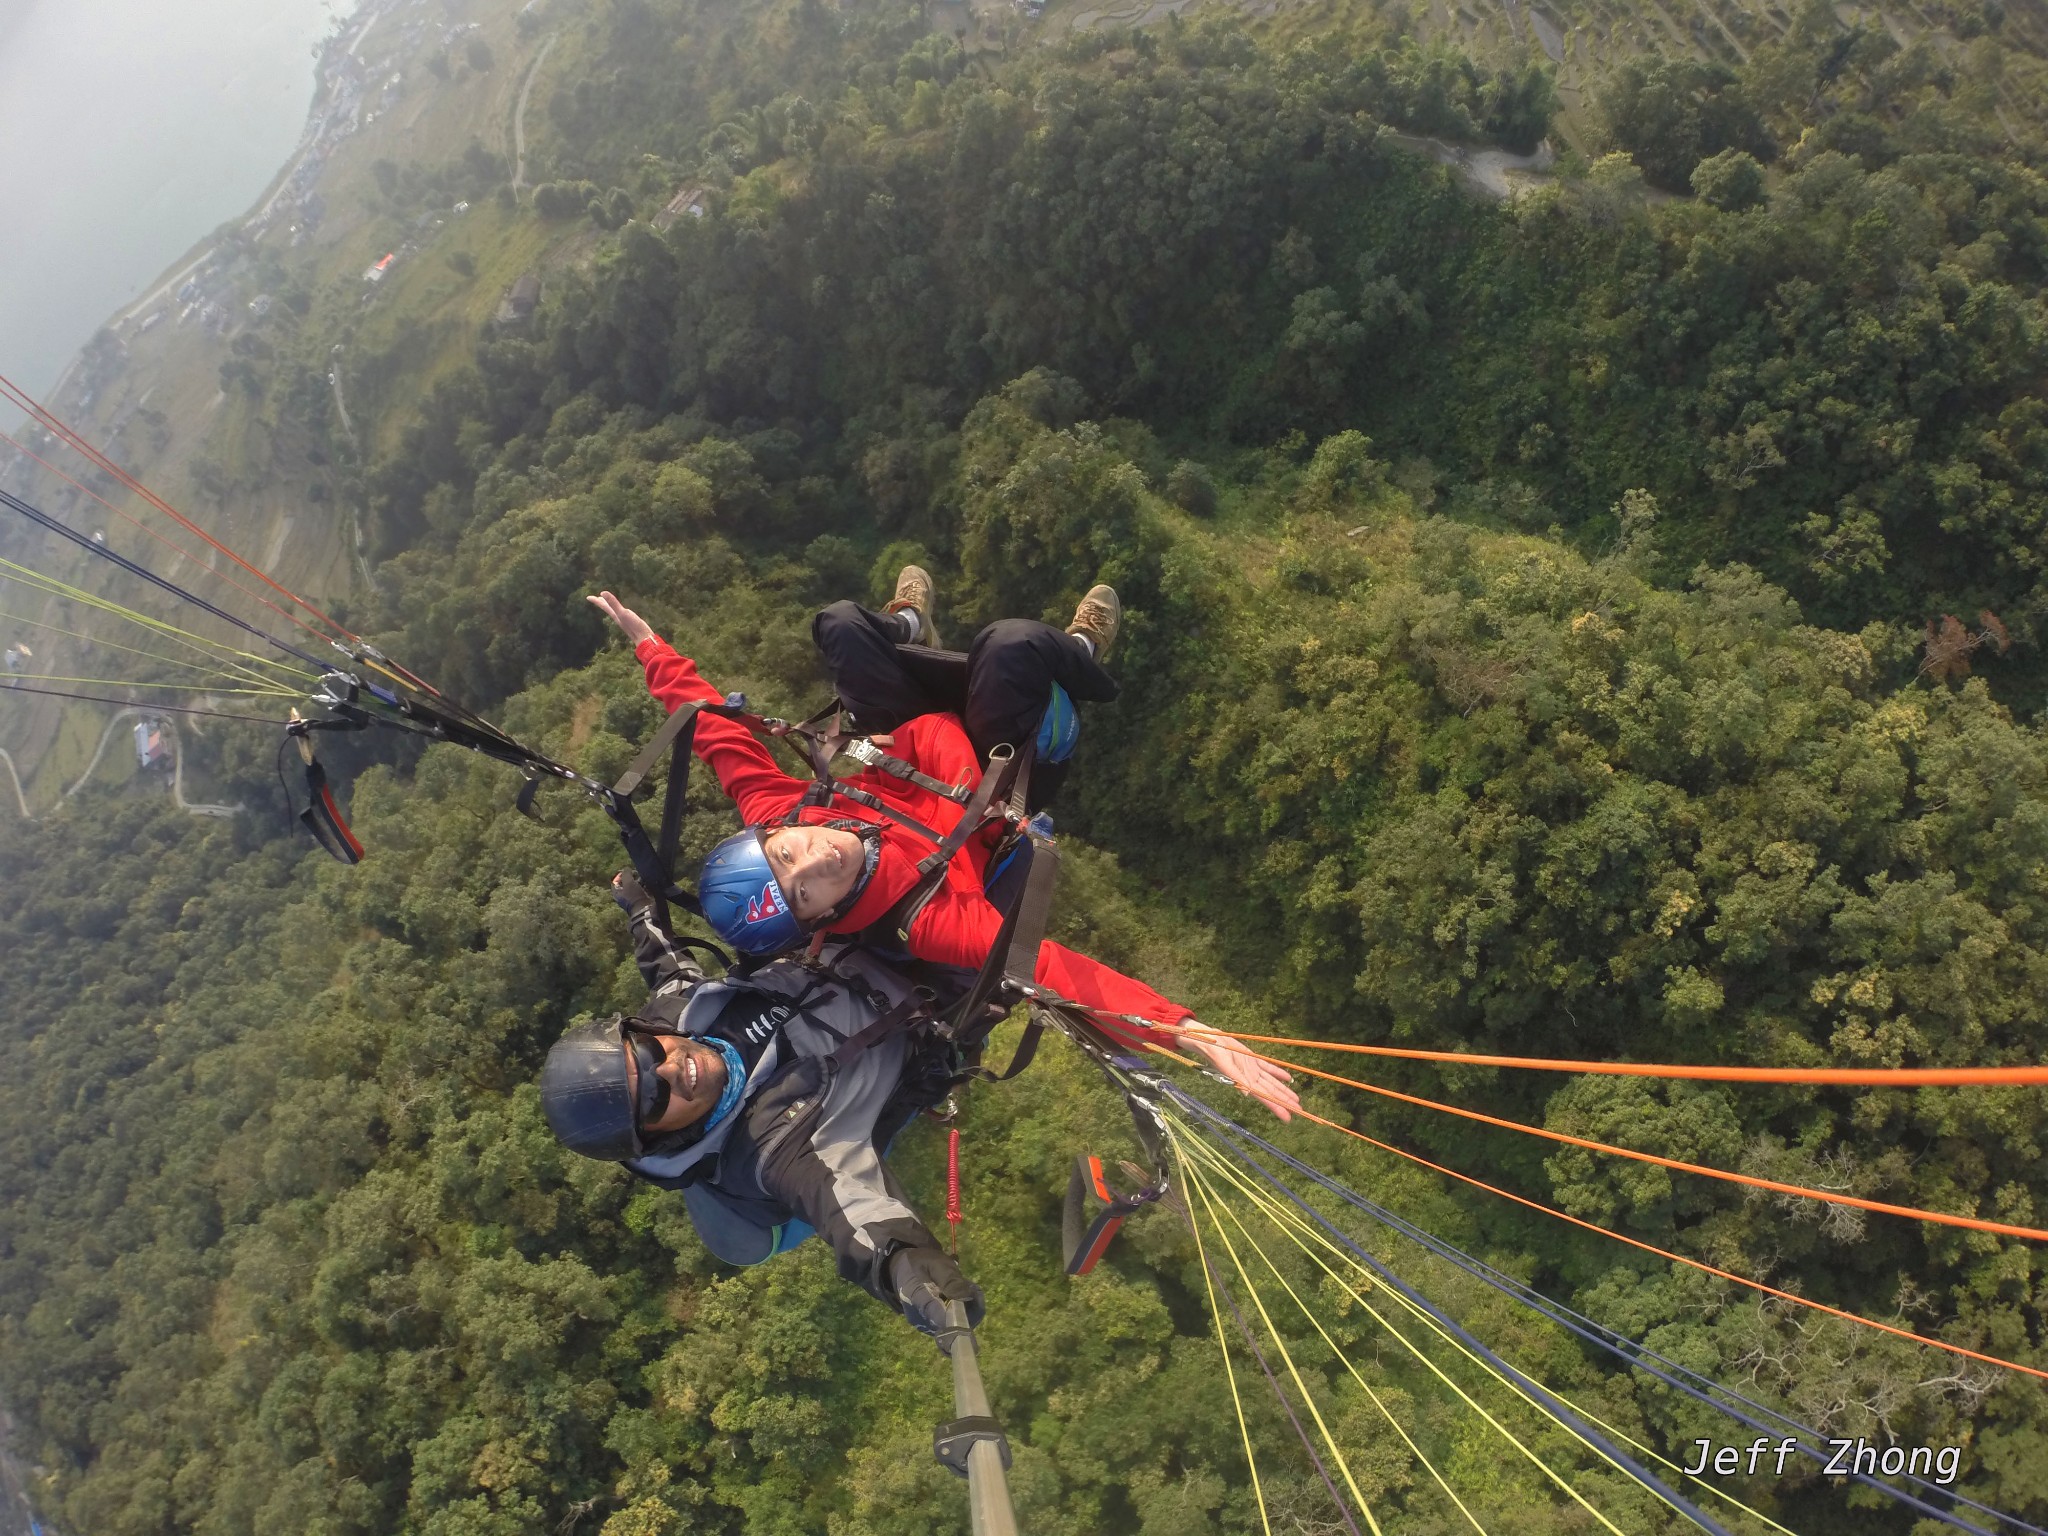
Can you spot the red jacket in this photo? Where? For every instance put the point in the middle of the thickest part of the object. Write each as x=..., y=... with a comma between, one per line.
x=959, y=925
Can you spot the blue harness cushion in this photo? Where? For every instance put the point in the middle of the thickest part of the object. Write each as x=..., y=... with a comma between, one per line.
x=1060, y=730
x=732, y=1234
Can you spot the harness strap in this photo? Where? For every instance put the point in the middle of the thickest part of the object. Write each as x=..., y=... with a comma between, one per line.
x=1002, y=763
x=862, y=750
x=322, y=817
x=931, y=869
x=820, y=793
x=683, y=719
x=914, y=1007
x=1086, y=1241
x=654, y=862
x=800, y=1006
x=1020, y=792
x=1033, y=912
x=1026, y=1052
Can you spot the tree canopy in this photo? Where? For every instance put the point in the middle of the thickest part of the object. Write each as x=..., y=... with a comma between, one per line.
x=1592, y=625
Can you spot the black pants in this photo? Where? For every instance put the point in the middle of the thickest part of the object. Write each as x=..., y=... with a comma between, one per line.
x=1000, y=687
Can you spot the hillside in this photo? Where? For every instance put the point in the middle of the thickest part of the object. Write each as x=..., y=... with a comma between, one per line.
x=1601, y=623
x=226, y=387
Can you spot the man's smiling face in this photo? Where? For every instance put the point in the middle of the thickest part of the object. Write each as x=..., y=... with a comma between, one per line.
x=687, y=1078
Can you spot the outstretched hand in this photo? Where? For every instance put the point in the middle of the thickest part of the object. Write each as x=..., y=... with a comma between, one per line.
x=1265, y=1081
x=630, y=623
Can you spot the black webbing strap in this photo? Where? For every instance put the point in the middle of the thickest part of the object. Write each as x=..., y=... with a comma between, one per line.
x=914, y=1007
x=683, y=719
x=995, y=779
x=931, y=868
x=1026, y=1052
x=654, y=862
x=863, y=751
x=675, y=797
x=1011, y=965
x=1031, y=913
x=524, y=803
x=323, y=818
x=1018, y=945
x=1020, y=791
x=879, y=806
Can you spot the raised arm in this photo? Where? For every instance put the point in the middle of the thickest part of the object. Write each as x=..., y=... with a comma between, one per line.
x=746, y=770
x=666, y=969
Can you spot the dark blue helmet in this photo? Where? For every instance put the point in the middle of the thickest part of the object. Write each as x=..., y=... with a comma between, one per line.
x=585, y=1094
x=741, y=899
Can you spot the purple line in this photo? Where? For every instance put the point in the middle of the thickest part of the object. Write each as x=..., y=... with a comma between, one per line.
x=1274, y=1382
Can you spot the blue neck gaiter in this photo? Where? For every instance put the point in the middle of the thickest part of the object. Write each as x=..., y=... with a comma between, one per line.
x=735, y=1082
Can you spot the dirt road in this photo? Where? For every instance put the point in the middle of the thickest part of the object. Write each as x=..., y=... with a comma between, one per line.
x=177, y=776
x=519, y=116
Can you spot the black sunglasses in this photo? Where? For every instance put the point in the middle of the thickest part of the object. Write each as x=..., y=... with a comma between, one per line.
x=653, y=1098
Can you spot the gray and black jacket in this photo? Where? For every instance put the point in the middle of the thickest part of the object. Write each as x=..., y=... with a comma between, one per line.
x=806, y=1142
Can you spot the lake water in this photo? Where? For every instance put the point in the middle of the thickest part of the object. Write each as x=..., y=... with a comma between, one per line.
x=128, y=130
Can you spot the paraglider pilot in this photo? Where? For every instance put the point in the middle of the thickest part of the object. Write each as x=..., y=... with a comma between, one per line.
x=841, y=869
x=744, y=1094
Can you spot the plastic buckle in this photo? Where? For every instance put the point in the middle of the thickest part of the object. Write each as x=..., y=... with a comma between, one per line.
x=953, y=1443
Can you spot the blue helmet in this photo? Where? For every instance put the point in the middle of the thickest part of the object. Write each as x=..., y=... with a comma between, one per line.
x=741, y=899
x=1060, y=729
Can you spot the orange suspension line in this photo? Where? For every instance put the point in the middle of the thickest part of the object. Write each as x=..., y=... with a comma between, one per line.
x=1975, y=1224
x=1853, y=1077
x=1679, y=1258
x=167, y=544
x=78, y=443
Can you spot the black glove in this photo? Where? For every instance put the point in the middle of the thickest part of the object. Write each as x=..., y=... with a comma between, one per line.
x=924, y=1280
x=628, y=892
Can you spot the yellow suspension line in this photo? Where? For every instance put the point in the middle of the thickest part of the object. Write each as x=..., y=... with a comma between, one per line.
x=1280, y=1346
x=213, y=649
x=1366, y=1387
x=1698, y=1482
x=1230, y=1374
x=1439, y=1373
x=95, y=640
x=122, y=682
x=1278, y=1213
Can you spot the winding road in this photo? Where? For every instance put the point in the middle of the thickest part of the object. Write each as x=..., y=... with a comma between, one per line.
x=1496, y=172
x=177, y=776
x=349, y=427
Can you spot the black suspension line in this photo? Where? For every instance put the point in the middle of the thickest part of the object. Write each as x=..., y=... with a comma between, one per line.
x=44, y=520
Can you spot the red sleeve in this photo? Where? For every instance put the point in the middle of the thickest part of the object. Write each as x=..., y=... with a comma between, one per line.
x=938, y=745
x=957, y=930
x=749, y=775
x=1095, y=984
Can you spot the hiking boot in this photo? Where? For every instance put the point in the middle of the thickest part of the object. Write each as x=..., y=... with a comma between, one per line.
x=1097, y=619
x=914, y=590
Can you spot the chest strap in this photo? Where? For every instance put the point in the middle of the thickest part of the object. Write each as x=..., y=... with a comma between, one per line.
x=864, y=751
x=912, y=1010
x=931, y=869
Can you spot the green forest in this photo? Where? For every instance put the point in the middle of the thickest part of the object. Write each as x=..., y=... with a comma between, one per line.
x=1602, y=624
